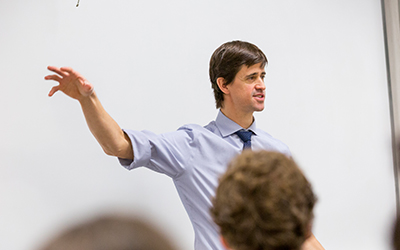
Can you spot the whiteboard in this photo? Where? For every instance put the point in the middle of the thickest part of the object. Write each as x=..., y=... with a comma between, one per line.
x=327, y=100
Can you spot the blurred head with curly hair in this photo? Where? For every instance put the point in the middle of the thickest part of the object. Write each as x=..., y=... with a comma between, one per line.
x=110, y=232
x=263, y=201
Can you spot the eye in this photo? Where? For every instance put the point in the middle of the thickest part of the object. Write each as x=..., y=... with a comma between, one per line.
x=252, y=78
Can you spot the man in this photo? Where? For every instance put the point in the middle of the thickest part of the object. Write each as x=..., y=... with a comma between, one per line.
x=110, y=232
x=263, y=201
x=193, y=156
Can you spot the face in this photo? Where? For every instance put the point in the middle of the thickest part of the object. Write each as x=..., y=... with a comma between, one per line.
x=247, y=90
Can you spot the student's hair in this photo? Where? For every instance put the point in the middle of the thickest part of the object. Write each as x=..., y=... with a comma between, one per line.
x=110, y=233
x=263, y=201
x=227, y=60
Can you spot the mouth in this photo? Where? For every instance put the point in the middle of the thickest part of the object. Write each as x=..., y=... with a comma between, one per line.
x=259, y=97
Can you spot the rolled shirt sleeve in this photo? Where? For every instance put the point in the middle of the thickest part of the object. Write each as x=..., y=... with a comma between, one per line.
x=166, y=153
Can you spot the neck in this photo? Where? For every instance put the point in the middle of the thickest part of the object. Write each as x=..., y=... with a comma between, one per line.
x=243, y=120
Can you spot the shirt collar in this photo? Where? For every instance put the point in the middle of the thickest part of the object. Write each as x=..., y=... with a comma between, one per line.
x=227, y=127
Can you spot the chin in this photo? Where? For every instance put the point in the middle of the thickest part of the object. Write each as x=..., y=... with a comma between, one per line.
x=258, y=109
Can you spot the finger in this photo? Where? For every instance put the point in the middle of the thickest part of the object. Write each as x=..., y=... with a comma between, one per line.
x=69, y=70
x=53, y=77
x=54, y=90
x=57, y=70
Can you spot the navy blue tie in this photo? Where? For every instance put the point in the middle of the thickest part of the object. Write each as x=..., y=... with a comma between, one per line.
x=245, y=136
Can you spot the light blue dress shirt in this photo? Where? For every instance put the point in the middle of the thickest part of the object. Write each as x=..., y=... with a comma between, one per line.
x=195, y=157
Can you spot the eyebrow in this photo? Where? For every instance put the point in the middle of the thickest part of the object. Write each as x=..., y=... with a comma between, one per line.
x=256, y=73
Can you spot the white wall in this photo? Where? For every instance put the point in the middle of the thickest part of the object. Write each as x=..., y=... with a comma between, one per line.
x=327, y=99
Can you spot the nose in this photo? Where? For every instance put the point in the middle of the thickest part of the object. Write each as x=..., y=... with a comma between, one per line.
x=260, y=84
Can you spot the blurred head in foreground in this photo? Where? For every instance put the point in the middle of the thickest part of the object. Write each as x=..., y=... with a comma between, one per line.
x=263, y=201
x=110, y=233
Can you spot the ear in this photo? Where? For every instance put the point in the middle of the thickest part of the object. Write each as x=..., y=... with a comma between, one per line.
x=223, y=241
x=222, y=85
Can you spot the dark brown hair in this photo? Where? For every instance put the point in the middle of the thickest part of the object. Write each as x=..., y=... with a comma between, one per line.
x=227, y=60
x=263, y=201
x=110, y=233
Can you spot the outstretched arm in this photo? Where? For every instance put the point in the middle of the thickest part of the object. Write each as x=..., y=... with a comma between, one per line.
x=106, y=131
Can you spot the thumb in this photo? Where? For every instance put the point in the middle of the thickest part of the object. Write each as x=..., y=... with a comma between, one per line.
x=54, y=90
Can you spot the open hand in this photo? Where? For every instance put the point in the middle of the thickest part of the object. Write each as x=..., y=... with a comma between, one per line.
x=71, y=82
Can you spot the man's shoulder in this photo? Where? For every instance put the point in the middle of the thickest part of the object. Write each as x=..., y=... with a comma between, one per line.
x=198, y=131
x=265, y=135
x=197, y=128
x=269, y=142
x=261, y=132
